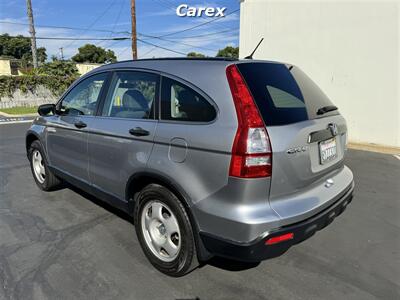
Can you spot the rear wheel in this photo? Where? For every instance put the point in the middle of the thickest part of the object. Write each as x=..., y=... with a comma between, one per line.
x=164, y=231
x=44, y=178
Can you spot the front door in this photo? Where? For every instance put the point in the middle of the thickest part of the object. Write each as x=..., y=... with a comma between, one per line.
x=67, y=130
x=121, y=138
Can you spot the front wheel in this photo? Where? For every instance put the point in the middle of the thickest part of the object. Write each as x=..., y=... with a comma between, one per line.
x=164, y=231
x=44, y=178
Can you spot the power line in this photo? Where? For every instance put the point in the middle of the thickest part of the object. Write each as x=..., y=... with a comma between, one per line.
x=148, y=52
x=204, y=35
x=66, y=27
x=107, y=39
x=113, y=43
x=176, y=42
x=95, y=21
x=190, y=39
x=155, y=45
x=115, y=32
x=118, y=16
x=114, y=25
x=199, y=25
x=123, y=51
x=216, y=38
x=117, y=40
x=209, y=39
x=79, y=39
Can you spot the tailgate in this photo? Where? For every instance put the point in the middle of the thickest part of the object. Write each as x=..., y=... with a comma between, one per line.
x=307, y=134
x=298, y=154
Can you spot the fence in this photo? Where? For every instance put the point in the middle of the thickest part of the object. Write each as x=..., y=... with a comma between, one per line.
x=24, y=103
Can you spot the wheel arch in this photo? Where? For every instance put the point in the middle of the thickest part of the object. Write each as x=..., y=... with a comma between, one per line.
x=141, y=179
x=30, y=137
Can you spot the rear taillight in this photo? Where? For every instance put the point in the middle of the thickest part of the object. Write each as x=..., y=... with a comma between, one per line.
x=251, y=151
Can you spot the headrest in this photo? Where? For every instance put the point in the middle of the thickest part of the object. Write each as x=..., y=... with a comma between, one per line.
x=134, y=99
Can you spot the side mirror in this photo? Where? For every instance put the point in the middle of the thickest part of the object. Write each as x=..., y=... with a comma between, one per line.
x=45, y=109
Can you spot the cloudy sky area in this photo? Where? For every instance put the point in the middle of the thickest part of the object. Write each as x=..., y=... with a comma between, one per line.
x=111, y=18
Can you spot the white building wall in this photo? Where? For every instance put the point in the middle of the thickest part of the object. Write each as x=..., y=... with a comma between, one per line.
x=349, y=48
x=84, y=68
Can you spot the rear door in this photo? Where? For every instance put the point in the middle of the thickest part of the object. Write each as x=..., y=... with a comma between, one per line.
x=308, y=146
x=121, y=136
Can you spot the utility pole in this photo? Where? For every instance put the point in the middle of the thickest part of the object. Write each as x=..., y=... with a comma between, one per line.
x=134, y=37
x=32, y=32
x=62, y=53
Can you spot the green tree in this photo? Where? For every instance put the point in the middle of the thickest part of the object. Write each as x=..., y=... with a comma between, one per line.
x=93, y=54
x=19, y=47
x=14, y=47
x=229, y=51
x=41, y=56
x=195, y=54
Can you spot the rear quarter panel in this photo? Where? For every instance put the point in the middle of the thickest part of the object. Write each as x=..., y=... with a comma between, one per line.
x=197, y=155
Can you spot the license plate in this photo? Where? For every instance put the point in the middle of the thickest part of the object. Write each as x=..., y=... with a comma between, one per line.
x=327, y=150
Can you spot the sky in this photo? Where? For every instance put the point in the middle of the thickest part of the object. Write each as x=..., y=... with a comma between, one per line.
x=111, y=18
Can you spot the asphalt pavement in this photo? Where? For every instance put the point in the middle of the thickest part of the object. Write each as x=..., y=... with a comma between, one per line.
x=69, y=245
x=15, y=119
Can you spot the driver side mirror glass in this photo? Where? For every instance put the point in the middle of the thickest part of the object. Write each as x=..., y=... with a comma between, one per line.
x=46, y=109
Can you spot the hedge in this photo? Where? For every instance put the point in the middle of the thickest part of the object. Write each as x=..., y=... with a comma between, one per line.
x=56, y=84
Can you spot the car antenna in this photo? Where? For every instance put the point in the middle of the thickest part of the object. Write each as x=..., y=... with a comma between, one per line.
x=252, y=53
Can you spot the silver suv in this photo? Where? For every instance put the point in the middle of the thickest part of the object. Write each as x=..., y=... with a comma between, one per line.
x=234, y=158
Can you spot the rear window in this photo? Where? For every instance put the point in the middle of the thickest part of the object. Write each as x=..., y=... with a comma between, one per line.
x=181, y=103
x=283, y=94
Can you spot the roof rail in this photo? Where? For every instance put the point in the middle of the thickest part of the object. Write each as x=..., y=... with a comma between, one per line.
x=179, y=58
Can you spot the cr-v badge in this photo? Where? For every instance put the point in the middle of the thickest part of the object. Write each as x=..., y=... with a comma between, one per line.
x=296, y=150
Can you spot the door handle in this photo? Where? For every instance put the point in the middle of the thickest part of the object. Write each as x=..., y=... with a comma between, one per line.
x=138, y=131
x=80, y=124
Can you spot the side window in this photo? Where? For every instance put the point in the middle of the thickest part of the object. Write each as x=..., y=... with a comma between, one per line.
x=181, y=103
x=82, y=99
x=132, y=95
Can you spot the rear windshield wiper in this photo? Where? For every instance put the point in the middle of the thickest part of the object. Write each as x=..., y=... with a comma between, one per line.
x=326, y=109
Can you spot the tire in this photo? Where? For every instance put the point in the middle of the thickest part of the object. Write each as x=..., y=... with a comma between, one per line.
x=159, y=231
x=46, y=180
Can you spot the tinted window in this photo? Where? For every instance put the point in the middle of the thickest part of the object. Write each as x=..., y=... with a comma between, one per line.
x=83, y=98
x=181, y=103
x=283, y=95
x=131, y=95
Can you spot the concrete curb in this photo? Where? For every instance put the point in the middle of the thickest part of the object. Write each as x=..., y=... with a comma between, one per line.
x=374, y=148
x=17, y=116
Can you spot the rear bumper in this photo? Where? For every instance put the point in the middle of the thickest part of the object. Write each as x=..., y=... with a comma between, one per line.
x=257, y=250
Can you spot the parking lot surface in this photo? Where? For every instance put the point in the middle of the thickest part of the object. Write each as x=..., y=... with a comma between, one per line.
x=68, y=245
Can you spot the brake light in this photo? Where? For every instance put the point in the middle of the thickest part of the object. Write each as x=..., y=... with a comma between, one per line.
x=251, y=150
x=280, y=238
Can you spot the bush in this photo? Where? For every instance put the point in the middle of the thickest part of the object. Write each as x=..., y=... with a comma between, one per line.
x=59, y=68
x=56, y=84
